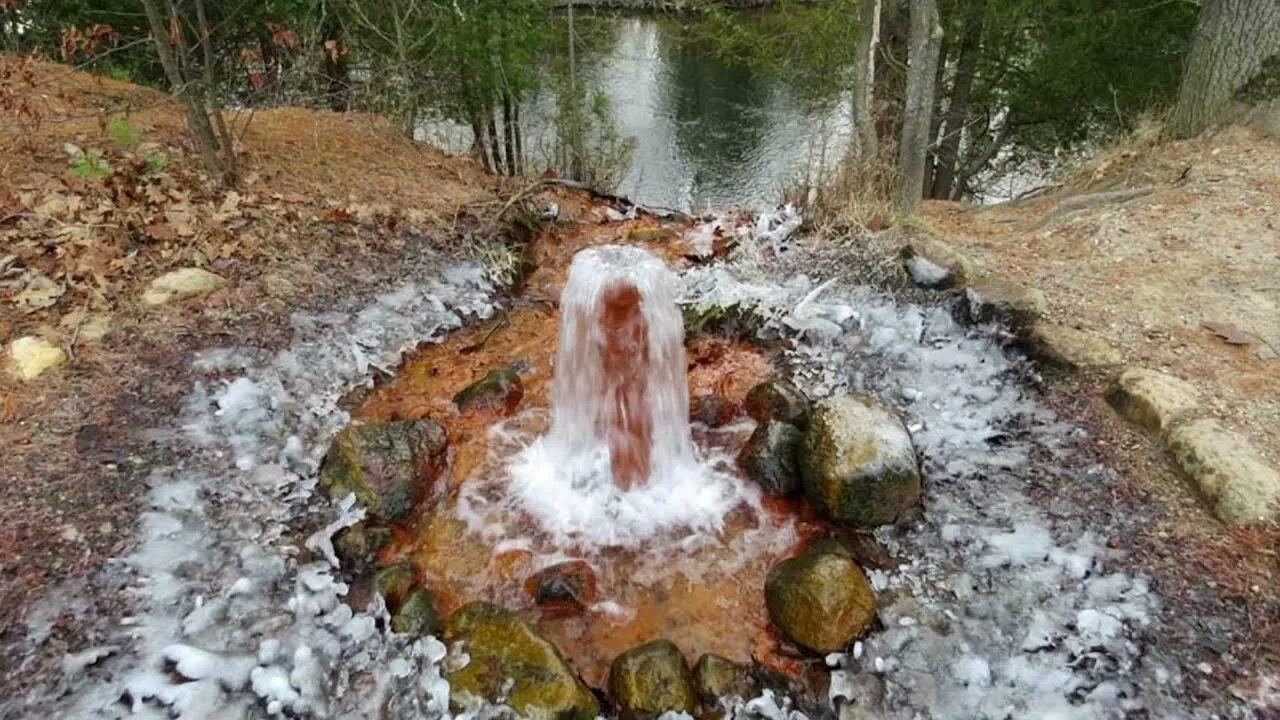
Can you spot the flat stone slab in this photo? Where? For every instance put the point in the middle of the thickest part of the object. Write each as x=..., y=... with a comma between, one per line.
x=1153, y=400
x=932, y=264
x=1072, y=349
x=180, y=284
x=1230, y=472
x=994, y=299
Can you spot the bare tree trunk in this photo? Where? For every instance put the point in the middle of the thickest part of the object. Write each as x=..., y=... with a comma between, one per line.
x=926, y=41
x=509, y=135
x=1232, y=40
x=495, y=149
x=184, y=89
x=519, y=133
x=935, y=112
x=953, y=129
x=478, y=143
x=210, y=89
x=866, y=143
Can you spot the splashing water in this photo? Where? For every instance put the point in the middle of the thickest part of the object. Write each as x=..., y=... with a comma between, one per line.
x=619, y=463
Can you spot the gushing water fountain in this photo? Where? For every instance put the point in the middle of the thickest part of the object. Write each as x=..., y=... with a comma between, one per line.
x=620, y=382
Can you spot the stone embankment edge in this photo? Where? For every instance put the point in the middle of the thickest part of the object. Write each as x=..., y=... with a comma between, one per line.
x=1233, y=477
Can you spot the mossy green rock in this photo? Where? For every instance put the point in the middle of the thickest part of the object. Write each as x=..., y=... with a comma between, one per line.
x=512, y=665
x=649, y=680
x=857, y=462
x=821, y=602
x=497, y=390
x=393, y=582
x=770, y=457
x=778, y=400
x=715, y=677
x=357, y=547
x=387, y=465
x=417, y=615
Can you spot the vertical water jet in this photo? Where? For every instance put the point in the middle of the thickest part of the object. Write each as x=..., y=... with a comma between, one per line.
x=620, y=387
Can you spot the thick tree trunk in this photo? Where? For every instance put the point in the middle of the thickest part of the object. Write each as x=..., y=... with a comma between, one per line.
x=866, y=143
x=926, y=41
x=953, y=128
x=1232, y=40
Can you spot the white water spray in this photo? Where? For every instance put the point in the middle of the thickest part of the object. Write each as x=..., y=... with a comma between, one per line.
x=618, y=465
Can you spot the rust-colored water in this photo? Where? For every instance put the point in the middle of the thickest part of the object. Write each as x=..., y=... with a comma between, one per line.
x=705, y=594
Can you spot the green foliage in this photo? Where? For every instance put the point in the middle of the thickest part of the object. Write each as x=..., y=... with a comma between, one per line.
x=123, y=132
x=91, y=165
x=1070, y=71
x=590, y=148
x=156, y=163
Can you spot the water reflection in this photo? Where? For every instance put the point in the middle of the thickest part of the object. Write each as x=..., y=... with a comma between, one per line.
x=709, y=132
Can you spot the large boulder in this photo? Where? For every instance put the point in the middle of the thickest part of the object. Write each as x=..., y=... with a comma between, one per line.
x=821, y=602
x=777, y=400
x=770, y=455
x=510, y=664
x=858, y=464
x=652, y=679
x=389, y=466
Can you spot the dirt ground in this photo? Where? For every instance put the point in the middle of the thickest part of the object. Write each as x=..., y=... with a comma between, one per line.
x=1148, y=273
x=1162, y=251
x=319, y=191
x=324, y=191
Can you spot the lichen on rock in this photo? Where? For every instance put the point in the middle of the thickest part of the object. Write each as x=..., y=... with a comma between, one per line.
x=820, y=601
x=388, y=466
x=650, y=680
x=510, y=664
x=858, y=464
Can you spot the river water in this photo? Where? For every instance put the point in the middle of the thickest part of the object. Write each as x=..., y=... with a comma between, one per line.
x=708, y=132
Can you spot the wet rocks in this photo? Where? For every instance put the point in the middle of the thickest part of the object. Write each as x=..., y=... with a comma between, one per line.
x=394, y=582
x=650, y=680
x=512, y=665
x=30, y=357
x=357, y=547
x=821, y=601
x=992, y=299
x=417, y=614
x=1072, y=349
x=715, y=677
x=1152, y=400
x=499, y=390
x=565, y=586
x=1232, y=474
x=857, y=463
x=770, y=457
x=712, y=410
x=181, y=284
x=778, y=400
x=387, y=465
